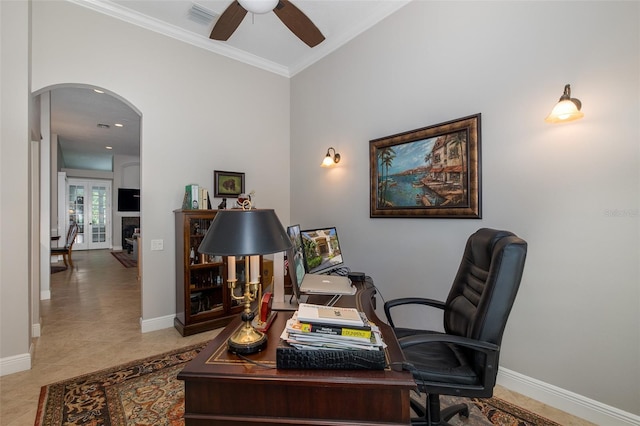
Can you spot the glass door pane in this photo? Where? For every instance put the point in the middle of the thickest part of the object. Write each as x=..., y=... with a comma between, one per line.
x=98, y=214
x=75, y=206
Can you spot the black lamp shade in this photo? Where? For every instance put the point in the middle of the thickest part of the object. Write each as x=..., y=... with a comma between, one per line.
x=245, y=233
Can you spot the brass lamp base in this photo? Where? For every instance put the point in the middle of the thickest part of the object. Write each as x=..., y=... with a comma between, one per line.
x=247, y=340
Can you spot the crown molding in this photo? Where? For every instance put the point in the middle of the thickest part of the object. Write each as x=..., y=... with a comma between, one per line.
x=119, y=12
x=116, y=11
x=329, y=46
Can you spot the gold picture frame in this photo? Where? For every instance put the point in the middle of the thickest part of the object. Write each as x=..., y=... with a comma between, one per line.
x=432, y=172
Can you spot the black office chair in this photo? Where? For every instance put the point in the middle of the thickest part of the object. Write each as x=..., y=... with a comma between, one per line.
x=463, y=361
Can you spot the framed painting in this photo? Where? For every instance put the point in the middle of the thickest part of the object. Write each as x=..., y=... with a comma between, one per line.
x=227, y=184
x=429, y=172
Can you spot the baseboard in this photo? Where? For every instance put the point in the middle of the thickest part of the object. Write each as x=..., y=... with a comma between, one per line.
x=116, y=248
x=155, y=324
x=35, y=330
x=45, y=294
x=15, y=363
x=562, y=399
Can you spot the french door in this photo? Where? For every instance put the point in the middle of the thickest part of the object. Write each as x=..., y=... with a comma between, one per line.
x=89, y=205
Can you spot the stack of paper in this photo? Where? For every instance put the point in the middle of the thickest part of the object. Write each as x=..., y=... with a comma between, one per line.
x=318, y=327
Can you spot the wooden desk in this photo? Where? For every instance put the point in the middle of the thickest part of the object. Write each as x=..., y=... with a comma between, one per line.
x=222, y=389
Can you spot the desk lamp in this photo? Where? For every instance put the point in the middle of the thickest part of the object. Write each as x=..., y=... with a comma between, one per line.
x=249, y=233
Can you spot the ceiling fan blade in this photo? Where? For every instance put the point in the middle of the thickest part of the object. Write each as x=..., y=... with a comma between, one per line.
x=228, y=22
x=298, y=23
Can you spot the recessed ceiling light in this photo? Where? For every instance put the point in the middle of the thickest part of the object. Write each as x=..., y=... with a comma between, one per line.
x=103, y=126
x=98, y=91
x=119, y=125
x=109, y=147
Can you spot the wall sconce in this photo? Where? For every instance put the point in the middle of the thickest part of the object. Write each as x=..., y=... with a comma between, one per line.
x=567, y=108
x=330, y=160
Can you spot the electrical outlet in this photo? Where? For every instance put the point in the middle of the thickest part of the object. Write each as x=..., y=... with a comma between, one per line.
x=157, y=245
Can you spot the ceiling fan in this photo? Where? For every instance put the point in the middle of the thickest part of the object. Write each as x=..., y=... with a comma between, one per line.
x=290, y=15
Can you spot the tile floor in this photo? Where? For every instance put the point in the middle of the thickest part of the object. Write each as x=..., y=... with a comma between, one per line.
x=91, y=322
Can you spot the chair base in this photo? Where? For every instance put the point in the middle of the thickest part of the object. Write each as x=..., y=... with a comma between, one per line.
x=432, y=415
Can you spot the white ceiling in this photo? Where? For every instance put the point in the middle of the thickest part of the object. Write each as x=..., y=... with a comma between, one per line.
x=75, y=116
x=260, y=40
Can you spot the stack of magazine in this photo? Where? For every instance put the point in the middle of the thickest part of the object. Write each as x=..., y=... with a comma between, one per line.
x=331, y=328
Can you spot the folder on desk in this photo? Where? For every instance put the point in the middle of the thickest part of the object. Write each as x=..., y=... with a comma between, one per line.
x=288, y=357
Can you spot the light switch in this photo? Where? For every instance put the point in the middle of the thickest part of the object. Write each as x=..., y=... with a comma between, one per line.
x=157, y=245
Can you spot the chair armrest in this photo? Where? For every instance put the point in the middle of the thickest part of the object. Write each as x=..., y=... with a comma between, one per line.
x=477, y=345
x=409, y=301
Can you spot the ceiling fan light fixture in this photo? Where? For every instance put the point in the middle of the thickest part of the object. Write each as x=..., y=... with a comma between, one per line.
x=292, y=17
x=258, y=6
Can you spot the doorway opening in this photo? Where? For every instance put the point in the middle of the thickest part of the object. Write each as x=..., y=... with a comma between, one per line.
x=91, y=138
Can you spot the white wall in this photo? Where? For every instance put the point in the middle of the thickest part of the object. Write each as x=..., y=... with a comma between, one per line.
x=570, y=190
x=200, y=112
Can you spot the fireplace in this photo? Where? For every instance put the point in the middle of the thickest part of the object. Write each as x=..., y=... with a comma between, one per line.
x=129, y=224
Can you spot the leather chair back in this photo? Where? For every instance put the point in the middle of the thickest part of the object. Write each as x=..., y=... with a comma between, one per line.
x=485, y=286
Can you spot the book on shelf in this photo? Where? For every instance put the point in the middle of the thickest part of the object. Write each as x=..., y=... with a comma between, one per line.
x=204, y=199
x=192, y=197
x=330, y=315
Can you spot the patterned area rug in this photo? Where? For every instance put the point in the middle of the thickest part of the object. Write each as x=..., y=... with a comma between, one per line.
x=143, y=392
x=127, y=260
x=147, y=392
x=494, y=411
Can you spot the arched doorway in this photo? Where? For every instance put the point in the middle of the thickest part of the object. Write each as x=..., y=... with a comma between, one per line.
x=92, y=138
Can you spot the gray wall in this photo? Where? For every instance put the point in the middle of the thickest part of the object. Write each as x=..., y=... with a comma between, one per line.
x=194, y=107
x=570, y=190
x=15, y=137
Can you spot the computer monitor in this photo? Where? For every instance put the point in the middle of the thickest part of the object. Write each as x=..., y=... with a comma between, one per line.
x=303, y=283
x=295, y=259
x=321, y=250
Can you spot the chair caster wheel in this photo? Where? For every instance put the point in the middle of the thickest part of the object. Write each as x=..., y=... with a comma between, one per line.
x=464, y=413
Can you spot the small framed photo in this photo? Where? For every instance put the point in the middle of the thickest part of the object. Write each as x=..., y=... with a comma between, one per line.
x=433, y=172
x=227, y=184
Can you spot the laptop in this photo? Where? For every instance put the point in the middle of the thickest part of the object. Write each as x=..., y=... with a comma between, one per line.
x=304, y=283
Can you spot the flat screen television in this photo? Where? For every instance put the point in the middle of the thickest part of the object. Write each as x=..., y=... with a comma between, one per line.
x=322, y=251
x=128, y=200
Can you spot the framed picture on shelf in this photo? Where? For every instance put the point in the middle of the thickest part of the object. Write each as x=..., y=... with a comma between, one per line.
x=432, y=172
x=227, y=184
